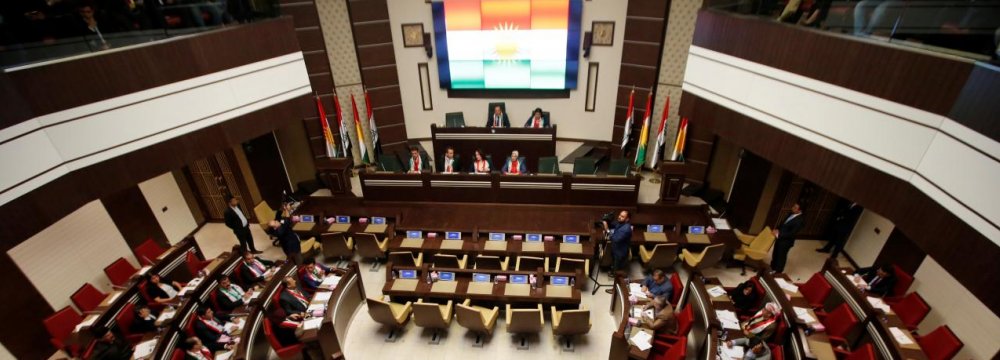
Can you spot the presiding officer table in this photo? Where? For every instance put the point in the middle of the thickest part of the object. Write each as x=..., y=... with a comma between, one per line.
x=498, y=142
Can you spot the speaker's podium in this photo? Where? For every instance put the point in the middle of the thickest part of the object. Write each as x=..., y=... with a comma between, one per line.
x=530, y=143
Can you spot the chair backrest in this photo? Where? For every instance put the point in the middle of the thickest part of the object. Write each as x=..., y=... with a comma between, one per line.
x=148, y=251
x=664, y=256
x=454, y=119
x=764, y=240
x=684, y=320
x=120, y=271
x=678, y=350
x=488, y=262
x=840, y=321
x=525, y=320
x=389, y=162
x=381, y=312
x=335, y=244
x=584, y=166
x=912, y=309
x=429, y=315
x=87, y=297
x=570, y=265
x=402, y=258
x=711, y=256
x=777, y=352
x=903, y=281
x=548, y=165
x=471, y=318
x=60, y=324
x=530, y=263
x=269, y=333
x=573, y=322
x=780, y=331
x=678, y=286
x=618, y=167
x=816, y=290
x=940, y=344
x=264, y=214
x=446, y=261
x=125, y=318
x=194, y=264
x=177, y=355
x=759, y=290
x=865, y=352
x=367, y=245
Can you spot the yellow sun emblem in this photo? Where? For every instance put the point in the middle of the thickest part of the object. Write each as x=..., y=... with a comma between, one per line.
x=506, y=48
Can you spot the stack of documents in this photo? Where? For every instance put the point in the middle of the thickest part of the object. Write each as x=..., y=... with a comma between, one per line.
x=313, y=323
x=785, y=285
x=144, y=349
x=902, y=338
x=720, y=224
x=735, y=352
x=330, y=282
x=636, y=290
x=728, y=319
x=224, y=355
x=879, y=304
x=716, y=291
x=642, y=340
x=321, y=297
x=803, y=315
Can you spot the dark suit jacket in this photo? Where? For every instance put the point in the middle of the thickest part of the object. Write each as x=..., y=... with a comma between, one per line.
x=287, y=238
x=504, y=120
x=247, y=276
x=521, y=167
x=787, y=230
x=290, y=304
x=455, y=167
x=116, y=350
x=424, y=164
x=844, y=222
x=209, y=337
x=225, y=304
x=545, y=122
x=881, y=288
x=233, y=220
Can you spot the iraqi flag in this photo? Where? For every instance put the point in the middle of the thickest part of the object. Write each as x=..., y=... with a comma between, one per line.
x=376, y=148
x=628, y=120
x=660, y=136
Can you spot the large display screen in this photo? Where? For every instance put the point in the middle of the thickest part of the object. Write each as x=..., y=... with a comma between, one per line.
x=507, y=44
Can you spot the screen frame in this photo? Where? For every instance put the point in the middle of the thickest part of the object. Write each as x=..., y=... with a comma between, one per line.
x=513, y=277
x=448, y=235
x=401, y=272
x=476, y=276
x=503, y=236
x=552, y=280
x=651, y=228
x=417, y=232
x=566, y=237
x=338, y=219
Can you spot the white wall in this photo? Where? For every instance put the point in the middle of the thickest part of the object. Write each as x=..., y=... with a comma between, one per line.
x=70, y=252
x=4, y=353
x=864, y=244
x=953, y=305
x=162, y=191
x=568, y=114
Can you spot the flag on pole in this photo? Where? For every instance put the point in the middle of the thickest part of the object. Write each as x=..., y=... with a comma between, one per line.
x=376, y=148
x=628, y=120
x=331, y=147
x=345, y=139
x=660, y=139
x=361, y=134
x=678, y=154
x=640, y=151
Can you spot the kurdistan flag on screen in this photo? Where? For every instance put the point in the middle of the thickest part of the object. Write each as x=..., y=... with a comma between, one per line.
x=517, y=44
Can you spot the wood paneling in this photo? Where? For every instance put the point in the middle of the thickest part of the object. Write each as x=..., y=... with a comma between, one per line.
x=900, y=250
x=384, y=96
x=391, y=132
x=321, y=83
x=645, y=28
x=131, y=214
x=959, y=248
x=747, y=188
x=648, y=29
x=640, y=77
x=373, y=33
x=977, y=107
x=267, y=167
x=311, y=40
x=317, y=62
x=388, y=116
x=376, y=55
x=369, y=10
x=26, y=307
x=303, y=14
x=640, y=53
x=380, y=76
x=373, y=43
x=647, y=7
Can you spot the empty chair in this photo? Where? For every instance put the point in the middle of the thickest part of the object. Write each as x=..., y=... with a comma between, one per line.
x=148, y=251
x=753, y=248
x=708, y=257
x=521, y=322
x=337, y=245
x=570, y=323
x=60, y=325
x=370, y=247
x=548, y=165
x=119, y=272
x=530, y=263
x=389, y=162
x=675, y=280
x=662, y=256
x=450, y=261
x=406, y=258
x=839, y=322
x=477, y=319
x=618, y=167
x=264, y=214
x=584, y=166
x=87, y=298
x=816, y=290
x=124, y=319
x=310, y=247
x=283, y=351
x=663, y=350
x=865, y=352
x=685, y=319
x=903, y=282
x=195, y=265
x=490, y=262
x=777, y=352
x=393, y=315
x=454, y=119
x=912, y=309
x=940, y=344
x=433, y=316
x=572, y=265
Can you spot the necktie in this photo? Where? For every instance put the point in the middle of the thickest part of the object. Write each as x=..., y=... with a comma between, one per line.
x=496, y=120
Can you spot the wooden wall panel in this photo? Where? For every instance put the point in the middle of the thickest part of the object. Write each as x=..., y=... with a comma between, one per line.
x=132, y=216
x=640, y=53
x=26, y=307
x=321, y=83
x=386, y=116
x=316, y=62
x=369, y=10
x=385, y=96
x=373, y=33
x=644, y=29
x=377, y=59
x=376, y=55
x=380, y=76
x=304, y=14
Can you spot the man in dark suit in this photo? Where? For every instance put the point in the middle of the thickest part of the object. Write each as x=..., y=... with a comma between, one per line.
x=254, y=270
x=514, y=165
x=291, y=300
x=230, y=296
x=110, y=347
x=620, y=237
x=237, y=221
x=537, y=120
x=785, y=235
x=498, y=119
x=417, y=163
x=449, y=162
x=843, y=224
x=287, y=239
x=211, y=329
x=881, y=280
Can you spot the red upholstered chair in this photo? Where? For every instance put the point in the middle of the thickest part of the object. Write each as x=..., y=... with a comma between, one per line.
x=214, y=298
x=150, y=301
x=816, y=290
x=940, y=344
x=89, y=353
x=283, y=352
x=675, y=280
x=903, y=282
x=177, y=355
x=87, y=297
x=759, y=289
x=777, y=352
x=839, y=322
x=120, y=271
x=194, y=265
x=779, y=332
x=669, y=351
x=60, y=325
x=148, y=251
x=912, y=309
x=865, y=352
x=685, y=318
x=124, y=321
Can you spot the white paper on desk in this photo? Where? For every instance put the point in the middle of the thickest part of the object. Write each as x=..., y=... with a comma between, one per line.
x=313, y=323
x=114, y=296
x=636, y=289
x=331, y=281
x=803, y=314
x=879, y=304
x=144, y=349
x=224, y=355
x=858, y=280
x=254, y=295
x=735, y=352
x=716, y=291
x=314, y=307
x=785, y=285
x=642, y=340
x=322, y=297
x=636, y=312
x=901, y=337
x=166, y=315
x=728, y=319
x=231, y=327
x=649, y=313
x=86, y=322
x=720, y=224
x=144, y=269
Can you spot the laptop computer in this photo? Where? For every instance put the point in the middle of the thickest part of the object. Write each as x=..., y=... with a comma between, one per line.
x=498, y=236
x=479, y=278
x=307, y=218
x=559, y=280
x=696, y=229
x=453, y=235
x=342, y=219
x=446, y=276
x=407, y=274
x=533, y=237
x=519, y=279
x=654, y=228
x=378, y=220
x=571, y=239
x=414, y=234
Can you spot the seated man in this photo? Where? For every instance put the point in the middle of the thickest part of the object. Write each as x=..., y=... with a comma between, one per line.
x=662, y=320
x=756, y=349
x=514, y=165
x=881, y=279
x=449, y=162
x=291, y=300
x=110, y=347
x=763, y=323
x=657, y=285
x=195, y=350
x=162, y=290
x=211, y=329
x=144, y=322
x=537, y=120
x=313, y=274
x=288, y=328
x=230, y=296
x=254, y=270
x=417, y=163
x=498, y=119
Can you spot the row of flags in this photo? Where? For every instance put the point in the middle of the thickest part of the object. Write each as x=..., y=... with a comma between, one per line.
x=640, y=154
x=345, y=139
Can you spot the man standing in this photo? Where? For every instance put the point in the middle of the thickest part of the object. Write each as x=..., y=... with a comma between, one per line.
x=785, y=234
x=236, y=221
x=287, y=239
x=448, y=163
x=620, y=236
x=841, y=228
x=498, y=119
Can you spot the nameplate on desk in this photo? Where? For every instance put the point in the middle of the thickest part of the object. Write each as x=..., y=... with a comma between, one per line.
x=411, y=243
x=481, y=288
x=698, y=239
x=571, y=248
x=444, y=287
x=655, y=236
x=559, y=291
x=452, y=244
x=533, y=246
x=517, y=290
x=404, y=285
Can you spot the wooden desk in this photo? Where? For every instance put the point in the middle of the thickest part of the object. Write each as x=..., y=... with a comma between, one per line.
x=621, y=308
x=818, y=343
x=464, y=276
x=355, y=227
x=875, y=323
x=248, y=347
x=498, y=142
x=346, y=298
x=474, y=243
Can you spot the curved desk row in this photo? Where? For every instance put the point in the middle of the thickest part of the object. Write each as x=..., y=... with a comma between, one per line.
x=800, y=345
x=493, y=292
x=477, y=242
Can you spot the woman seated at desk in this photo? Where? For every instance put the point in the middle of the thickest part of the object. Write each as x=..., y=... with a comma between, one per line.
x=479, y=163
x=763, y=323
x=662, y=321
x=745, y=299
x=162, y=290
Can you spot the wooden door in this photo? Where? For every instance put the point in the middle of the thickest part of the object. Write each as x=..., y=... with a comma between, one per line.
x=817, y=203
x=213, y=179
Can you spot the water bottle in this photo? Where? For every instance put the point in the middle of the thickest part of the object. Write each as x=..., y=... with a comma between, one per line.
x=572, y=281
x=428, y=278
